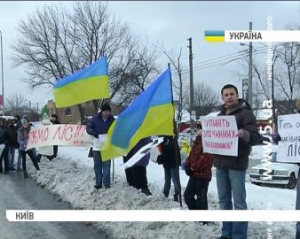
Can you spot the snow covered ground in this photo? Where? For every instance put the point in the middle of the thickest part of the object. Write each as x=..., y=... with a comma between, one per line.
x=71, y=177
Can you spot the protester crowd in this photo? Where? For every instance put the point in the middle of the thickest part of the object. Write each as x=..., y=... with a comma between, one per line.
x=230, y=170
x=14, y=134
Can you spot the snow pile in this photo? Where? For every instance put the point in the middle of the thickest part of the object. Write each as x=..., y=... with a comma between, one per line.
x=71, y=178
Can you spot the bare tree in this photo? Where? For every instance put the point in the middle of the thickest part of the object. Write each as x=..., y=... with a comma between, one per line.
x=16, y=104
x=56, y=42
x=205, y=99
x=289, y=79
x=135, y=73
x=175, y=62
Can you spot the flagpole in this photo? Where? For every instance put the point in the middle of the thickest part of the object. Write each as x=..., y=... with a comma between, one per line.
x=177, y=151
x=113, y=172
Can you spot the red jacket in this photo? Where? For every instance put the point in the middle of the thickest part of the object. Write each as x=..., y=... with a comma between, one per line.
x=200, y=163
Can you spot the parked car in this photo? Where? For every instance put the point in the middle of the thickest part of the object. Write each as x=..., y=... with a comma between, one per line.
x=273, y=172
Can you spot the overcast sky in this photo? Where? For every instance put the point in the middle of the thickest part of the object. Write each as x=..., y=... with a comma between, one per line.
x=170, y=23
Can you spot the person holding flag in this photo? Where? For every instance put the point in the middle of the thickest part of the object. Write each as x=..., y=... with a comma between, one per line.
x=98, y=127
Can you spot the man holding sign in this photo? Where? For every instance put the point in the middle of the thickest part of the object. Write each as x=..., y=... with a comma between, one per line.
x=98, y=127
x=231, y=170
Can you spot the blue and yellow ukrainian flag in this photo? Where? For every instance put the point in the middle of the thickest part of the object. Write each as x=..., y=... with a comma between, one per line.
x=87, y=84
x=151, y=113
x=215, y=36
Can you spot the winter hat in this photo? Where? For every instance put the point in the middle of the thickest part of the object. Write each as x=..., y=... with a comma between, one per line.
x=54, y=116
x=25, y=117
x=105, y=107
x=24, y=121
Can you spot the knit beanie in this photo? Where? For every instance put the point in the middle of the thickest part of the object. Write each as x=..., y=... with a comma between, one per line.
x=105, y=107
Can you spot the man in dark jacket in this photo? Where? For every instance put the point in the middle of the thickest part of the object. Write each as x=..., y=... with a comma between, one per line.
x=99, y=125
x=231, y=171
x=5, y=136
x=12, y=144
x=137, y=174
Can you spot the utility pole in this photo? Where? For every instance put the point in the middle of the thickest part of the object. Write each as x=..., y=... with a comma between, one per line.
x=250, y=69
x=192, y=113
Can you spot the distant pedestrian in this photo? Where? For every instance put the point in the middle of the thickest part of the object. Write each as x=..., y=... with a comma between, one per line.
x=23, y=135
x=12, y=144
x=5, y=136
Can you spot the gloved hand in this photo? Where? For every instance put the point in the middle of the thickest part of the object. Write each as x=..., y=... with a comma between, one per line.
x=95, y=134
x=159, y=159
x=188, y=171
x=276, y=138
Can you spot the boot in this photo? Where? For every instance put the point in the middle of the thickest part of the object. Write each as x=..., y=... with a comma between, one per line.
x=26, y=174
x=146, y=191
x=166, y=194
x=38, y=158
x=176, y=198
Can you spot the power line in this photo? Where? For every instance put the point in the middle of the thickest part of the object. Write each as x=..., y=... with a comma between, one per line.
x=221, y=62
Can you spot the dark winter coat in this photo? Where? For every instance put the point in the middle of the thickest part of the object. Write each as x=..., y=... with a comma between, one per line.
x=246, y=120
x=98, y=126
x=14, y=137
x=168, y=157
x=5, y=135
x=198, y=162
x=143, y=161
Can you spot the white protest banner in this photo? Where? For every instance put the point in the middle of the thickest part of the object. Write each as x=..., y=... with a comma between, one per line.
x=62, y=134
x=289, y=145
x=219, y=135
x=143, y=151
x=46, y=150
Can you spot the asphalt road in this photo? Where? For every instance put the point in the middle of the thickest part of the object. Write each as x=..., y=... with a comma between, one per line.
x=19, y=193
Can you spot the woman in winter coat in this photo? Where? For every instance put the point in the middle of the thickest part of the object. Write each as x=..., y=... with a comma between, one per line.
x=23, y=134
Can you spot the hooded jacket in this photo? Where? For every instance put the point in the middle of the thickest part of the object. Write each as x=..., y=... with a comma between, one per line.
x=167, y=148
x=246, y=120
x=199, y=162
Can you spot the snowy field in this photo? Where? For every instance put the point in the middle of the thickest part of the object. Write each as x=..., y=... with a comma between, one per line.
x=71, y=178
